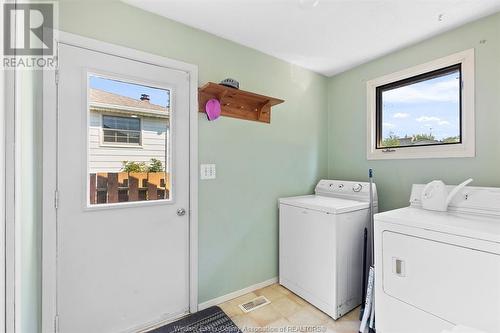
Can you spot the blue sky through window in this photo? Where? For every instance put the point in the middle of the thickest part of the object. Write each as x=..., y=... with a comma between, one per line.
x=157, y=96
x=427, y=107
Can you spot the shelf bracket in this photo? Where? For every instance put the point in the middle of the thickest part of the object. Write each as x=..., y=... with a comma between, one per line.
x=265, y=108
x=221, y=96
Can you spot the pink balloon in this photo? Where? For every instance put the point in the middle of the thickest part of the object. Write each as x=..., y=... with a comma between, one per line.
x=212, y=108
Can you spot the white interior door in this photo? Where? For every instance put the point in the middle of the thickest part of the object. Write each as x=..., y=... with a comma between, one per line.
x=122, y=228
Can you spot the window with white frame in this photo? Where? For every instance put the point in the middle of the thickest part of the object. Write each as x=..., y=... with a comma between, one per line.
x=423, y=112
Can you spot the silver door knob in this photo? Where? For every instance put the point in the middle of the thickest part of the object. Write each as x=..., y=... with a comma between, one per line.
x=181, y=212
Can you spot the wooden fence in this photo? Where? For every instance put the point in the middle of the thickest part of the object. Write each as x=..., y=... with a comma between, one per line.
x=112, y=187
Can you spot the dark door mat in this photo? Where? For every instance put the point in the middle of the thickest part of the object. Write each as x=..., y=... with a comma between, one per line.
x=211, y=320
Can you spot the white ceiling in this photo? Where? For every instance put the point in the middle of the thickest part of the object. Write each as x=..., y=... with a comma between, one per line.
x=326, y=36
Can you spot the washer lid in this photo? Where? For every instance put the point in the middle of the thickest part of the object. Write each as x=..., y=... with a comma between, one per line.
x=475, y=226
x=324, y=204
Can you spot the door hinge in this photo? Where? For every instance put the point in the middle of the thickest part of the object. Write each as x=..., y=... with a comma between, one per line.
x=57, y=76
x=56, y=324
x=56, y=199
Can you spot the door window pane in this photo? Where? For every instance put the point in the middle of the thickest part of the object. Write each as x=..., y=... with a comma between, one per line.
x=129, y=155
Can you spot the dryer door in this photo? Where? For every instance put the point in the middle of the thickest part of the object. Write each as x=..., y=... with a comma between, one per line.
x=460, y=285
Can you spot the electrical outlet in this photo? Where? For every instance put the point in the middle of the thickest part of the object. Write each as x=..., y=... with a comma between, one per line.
x=207, y=171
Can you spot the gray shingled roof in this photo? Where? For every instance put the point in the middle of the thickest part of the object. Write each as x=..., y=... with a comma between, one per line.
x=107, y=99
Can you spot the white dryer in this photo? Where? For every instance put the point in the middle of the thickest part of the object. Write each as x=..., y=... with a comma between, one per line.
x=435, y=270
x=321, y=244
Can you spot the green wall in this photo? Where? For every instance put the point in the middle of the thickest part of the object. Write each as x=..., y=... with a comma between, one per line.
x=256, y=163
x=347, y=117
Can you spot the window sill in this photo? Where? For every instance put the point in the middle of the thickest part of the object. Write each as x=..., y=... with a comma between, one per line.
x=447, y=151
x=104, y=145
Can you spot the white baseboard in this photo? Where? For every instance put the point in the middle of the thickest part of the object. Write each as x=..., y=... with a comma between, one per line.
x=234, y=294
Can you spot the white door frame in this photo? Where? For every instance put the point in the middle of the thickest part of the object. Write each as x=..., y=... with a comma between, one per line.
x=3, y=95
x=50, y=111
x=8, y=162
x=9, y=194
x=10, y=199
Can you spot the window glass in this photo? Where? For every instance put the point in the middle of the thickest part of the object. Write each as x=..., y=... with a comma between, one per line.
x=121, y=130
x=129, y=154
x=420, y=111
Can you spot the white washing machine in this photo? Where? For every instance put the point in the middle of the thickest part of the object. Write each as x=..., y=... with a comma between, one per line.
x=321, y=244
x=435, y=270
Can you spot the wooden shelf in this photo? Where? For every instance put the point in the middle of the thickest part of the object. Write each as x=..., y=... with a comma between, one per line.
x=238, y=103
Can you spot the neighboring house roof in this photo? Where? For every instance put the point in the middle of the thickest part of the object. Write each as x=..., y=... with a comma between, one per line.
x=405, y=141
x=101, y=100
x=410, y=141
x=425, y=142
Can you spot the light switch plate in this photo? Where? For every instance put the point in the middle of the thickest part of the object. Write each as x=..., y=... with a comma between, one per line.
x=207, y=171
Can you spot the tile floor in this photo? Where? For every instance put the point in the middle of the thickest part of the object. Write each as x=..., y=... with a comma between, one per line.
x=286, y=313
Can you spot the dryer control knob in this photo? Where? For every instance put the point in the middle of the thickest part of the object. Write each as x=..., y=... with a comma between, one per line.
x=357, y=187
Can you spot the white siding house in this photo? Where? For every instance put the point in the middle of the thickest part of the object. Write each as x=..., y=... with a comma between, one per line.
x=124, y=129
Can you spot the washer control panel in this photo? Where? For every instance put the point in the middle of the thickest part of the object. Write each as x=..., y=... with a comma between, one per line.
x=345, y=189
